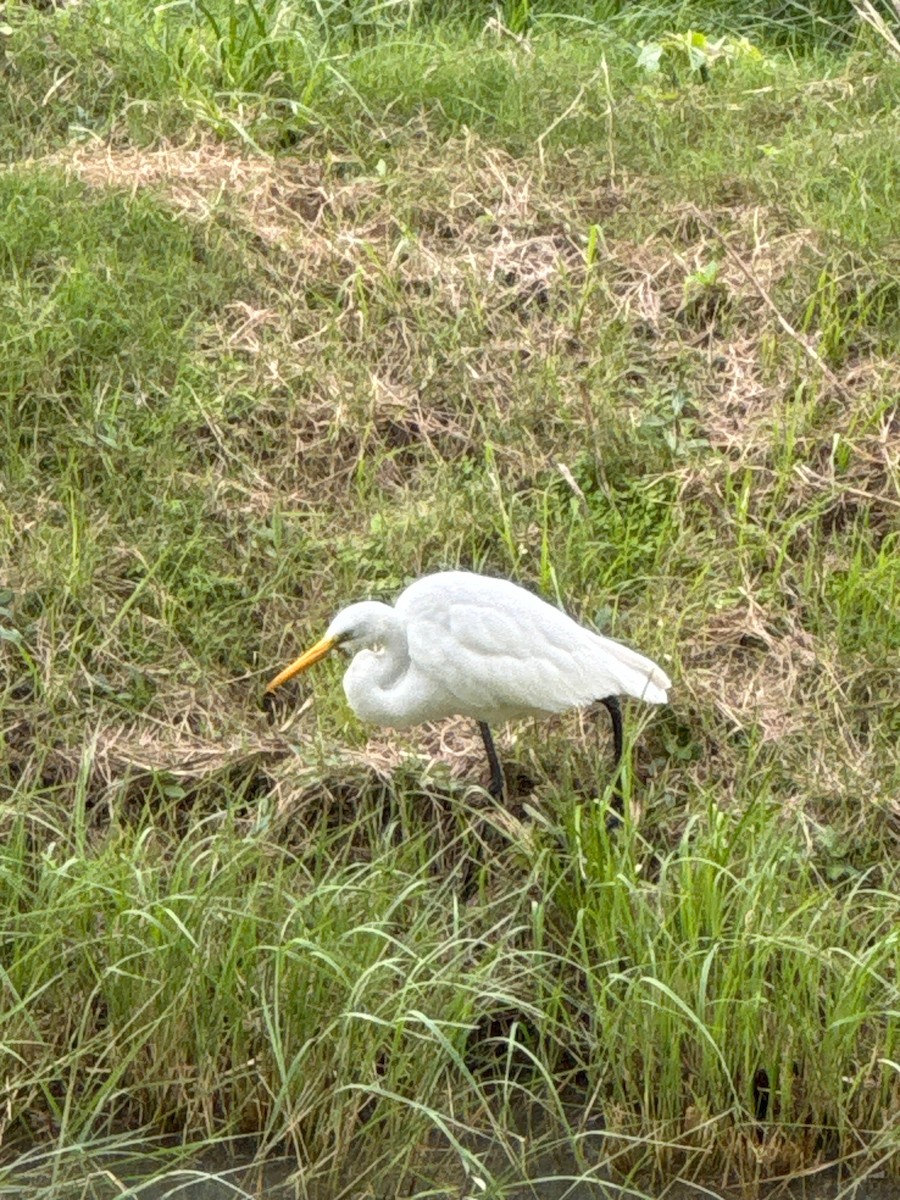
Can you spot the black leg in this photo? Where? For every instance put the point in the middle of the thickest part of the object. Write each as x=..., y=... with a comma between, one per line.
x=612, y=706
x=496, y=786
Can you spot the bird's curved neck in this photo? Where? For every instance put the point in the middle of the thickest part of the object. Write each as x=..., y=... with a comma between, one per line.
x=373, y=676
x=390, y=649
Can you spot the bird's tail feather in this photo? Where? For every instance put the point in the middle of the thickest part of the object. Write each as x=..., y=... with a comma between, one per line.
x=635, y=674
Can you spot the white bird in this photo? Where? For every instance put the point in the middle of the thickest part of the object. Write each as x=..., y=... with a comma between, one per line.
x=460, y=644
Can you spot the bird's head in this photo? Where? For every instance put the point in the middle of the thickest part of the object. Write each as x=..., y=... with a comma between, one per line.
x=362, y=626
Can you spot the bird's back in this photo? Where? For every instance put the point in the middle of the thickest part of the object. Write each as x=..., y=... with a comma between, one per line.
x=500, y=651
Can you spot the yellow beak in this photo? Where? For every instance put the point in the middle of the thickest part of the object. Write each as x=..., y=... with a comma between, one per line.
x=319, y=650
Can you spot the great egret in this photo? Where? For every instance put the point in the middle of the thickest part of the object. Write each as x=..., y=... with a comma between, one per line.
x=457, y=643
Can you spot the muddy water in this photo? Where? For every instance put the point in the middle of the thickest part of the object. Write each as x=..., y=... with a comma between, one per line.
x=229, y=1187
x=234, y=1175
x=274, y=1182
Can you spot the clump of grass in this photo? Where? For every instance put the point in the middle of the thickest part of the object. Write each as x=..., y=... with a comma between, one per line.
x=657, y=384
x=270, y=74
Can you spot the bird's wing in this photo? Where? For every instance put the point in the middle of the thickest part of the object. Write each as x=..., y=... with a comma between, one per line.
x=498, y=649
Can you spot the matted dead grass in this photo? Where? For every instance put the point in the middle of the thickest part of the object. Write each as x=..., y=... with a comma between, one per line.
x=196, y=178
x=753, y=673
x=487, y=229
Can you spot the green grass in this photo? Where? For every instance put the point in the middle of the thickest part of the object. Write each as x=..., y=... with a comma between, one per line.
x=295, y=312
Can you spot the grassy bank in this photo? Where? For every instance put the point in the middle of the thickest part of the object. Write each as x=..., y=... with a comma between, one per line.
x=294, y=312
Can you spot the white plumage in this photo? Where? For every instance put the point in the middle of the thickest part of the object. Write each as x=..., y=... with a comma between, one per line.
x=457, y=643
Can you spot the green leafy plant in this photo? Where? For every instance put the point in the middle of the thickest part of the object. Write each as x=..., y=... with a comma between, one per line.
x=692, y=53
